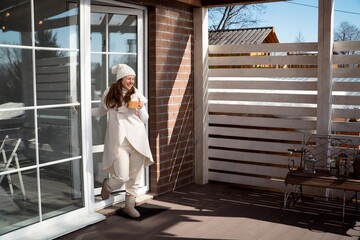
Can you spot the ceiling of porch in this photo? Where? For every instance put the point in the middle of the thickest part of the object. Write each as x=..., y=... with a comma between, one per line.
x=219, y=3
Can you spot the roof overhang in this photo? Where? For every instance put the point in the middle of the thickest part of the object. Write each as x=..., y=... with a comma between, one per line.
x=219, y=3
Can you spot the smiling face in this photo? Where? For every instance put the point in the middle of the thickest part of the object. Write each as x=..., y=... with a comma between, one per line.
x=127, y=82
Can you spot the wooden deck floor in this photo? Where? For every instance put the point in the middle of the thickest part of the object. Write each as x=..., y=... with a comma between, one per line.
x=223, y=211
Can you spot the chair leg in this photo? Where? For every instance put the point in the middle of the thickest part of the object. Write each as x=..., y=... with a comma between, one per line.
x=7, y=165
x=8, y=175
x=10, y=184
x=20, y=177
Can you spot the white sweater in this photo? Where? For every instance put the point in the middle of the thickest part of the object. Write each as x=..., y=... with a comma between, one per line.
x=124, y=123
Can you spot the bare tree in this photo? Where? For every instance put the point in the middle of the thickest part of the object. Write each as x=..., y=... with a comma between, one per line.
x=46, y=38
x=346, y=32
x=300, y=37
x=238, y=16
x=11, y=64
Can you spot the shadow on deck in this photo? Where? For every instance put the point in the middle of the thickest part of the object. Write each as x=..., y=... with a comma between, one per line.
x=225, y=211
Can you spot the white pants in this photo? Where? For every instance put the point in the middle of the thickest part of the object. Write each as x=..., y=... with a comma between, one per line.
x=127, y=169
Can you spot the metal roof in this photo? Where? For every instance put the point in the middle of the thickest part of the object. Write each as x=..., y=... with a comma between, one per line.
x=243, y=36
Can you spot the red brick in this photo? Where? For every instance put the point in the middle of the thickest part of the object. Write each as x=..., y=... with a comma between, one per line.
x=171, y=100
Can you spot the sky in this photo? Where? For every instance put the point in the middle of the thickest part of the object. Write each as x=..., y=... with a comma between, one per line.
x=290, y=18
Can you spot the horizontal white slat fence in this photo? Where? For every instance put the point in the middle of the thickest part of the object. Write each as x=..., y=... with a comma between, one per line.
x=262, y=105
x=346, y=89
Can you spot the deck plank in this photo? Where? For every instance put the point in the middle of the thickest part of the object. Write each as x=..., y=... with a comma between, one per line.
x=227, y=211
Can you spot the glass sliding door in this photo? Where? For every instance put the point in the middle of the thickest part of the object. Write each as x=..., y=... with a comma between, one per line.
x=116, y=37
x=40, y=146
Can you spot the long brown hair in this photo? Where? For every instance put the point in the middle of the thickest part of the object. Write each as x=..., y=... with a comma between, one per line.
x=114, y=98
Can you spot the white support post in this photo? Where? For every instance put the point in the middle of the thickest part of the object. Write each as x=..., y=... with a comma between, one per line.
x=325, y=78
x=325, y=68
x=201, y=114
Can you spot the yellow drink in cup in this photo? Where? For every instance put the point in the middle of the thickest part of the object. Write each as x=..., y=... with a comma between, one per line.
x=133, y=103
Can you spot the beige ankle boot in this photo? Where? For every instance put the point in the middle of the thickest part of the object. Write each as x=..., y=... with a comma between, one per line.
x=130, y=206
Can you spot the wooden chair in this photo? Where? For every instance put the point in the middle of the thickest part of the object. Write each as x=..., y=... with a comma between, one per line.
x=6, y=146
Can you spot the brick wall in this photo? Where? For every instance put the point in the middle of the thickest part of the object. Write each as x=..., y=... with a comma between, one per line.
x=171, y=96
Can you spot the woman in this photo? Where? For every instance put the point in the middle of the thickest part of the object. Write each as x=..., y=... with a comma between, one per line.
x=126, y=147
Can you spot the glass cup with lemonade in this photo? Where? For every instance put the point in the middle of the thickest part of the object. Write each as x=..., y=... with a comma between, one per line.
x=134, y=102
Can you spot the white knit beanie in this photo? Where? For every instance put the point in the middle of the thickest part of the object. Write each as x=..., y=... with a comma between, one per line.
x=122, y=70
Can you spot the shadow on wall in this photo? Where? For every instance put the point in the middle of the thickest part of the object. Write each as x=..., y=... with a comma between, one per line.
x=172, y=99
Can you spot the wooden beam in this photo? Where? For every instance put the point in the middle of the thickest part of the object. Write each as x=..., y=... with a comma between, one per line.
x=195, y=3
x=217, y=3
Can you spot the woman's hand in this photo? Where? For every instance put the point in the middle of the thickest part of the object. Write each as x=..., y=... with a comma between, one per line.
x=140, y=104
x=135, y=104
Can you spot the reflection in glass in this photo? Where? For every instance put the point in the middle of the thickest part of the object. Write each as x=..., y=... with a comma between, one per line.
x=98, y=31
x=17, y=136
x=122, y=30
x=16, y=76
x=61, y=188
x=99, y=174
x=59, y=133
x=57, y=79
x=122, y=33
x=56, y=24
x=98, y=76
x=19, y=209
x=98, y=128
x=15, y=22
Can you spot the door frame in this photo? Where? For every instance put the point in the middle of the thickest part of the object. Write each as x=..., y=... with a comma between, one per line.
x=142, y=80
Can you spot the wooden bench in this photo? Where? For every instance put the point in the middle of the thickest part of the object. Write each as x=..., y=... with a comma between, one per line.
x=323, y=180
x=324, y=149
